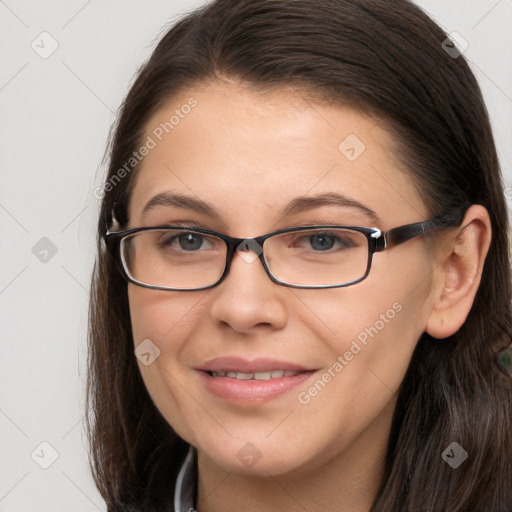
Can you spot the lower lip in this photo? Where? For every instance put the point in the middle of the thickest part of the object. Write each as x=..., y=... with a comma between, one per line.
x=238, y=390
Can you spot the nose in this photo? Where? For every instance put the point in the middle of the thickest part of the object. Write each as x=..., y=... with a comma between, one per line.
x=247, y=299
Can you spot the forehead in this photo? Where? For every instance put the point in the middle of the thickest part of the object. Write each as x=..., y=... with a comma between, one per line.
x=250, y=153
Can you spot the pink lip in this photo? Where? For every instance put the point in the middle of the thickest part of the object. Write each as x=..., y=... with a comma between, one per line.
x=237, y=364
x=247, y=392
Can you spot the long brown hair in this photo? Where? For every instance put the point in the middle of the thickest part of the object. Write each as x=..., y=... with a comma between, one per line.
x=387, y=58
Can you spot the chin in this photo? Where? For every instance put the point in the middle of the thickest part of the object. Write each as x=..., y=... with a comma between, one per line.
x=257, y=459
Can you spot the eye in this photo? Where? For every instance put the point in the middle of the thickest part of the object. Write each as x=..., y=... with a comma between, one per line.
x=190, y=241
x=324, y=241
x=187, y=241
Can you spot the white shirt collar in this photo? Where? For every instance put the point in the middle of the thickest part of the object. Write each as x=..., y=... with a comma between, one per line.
x=184, y=492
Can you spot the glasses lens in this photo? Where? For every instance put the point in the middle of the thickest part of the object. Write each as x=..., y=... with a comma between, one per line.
x=174, y=258
x=318, y=256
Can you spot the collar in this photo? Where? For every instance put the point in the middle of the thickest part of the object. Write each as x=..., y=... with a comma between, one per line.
x=184, y=490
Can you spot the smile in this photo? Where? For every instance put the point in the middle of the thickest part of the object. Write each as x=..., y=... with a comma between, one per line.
x=267, y=375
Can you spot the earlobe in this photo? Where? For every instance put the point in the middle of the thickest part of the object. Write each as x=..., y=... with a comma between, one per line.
x=458, y=270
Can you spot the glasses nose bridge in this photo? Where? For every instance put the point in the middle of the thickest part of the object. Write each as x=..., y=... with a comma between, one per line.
x=253, y=244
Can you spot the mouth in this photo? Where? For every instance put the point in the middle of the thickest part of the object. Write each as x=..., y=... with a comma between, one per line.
x=243, y=382
x=267, y=375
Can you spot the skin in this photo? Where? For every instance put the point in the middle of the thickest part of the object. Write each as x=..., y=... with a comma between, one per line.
x=249, y=153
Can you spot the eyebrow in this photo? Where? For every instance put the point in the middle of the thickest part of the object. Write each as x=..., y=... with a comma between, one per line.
x=297, y=205
x=305, y=203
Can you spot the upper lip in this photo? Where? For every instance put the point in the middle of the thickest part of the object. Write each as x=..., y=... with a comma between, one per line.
x=238, y=364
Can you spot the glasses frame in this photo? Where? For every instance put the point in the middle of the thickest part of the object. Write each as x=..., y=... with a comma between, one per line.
x=378, y=241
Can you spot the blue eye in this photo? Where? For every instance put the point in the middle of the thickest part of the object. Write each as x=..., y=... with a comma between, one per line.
x=190, y=242
x=326, y=241
x=322, y=242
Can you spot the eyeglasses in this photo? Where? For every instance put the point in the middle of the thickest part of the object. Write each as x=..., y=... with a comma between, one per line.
x=188, y=258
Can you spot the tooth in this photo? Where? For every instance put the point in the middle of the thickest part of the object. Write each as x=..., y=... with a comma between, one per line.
x=262, y=375
x=244, y=376
x=271, y=374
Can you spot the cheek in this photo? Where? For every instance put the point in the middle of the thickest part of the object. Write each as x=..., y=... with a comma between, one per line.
x=367, y=361
x=167, y=320
x=163, y=316
x=370, y=331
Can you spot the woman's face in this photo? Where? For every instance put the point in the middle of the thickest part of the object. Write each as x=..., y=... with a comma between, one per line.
x=249, y=156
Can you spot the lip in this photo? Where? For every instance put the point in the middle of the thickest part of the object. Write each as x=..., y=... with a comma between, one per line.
x=238, y=364
x=250, y=392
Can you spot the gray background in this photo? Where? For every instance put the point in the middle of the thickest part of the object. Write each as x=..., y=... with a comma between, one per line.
x=55, y=116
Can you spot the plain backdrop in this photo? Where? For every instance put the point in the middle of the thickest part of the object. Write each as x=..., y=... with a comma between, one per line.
x=56, y=111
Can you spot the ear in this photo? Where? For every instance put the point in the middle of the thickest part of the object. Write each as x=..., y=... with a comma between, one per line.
x=458, y=270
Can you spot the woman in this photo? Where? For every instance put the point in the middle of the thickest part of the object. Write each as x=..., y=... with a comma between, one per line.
x=303, y=278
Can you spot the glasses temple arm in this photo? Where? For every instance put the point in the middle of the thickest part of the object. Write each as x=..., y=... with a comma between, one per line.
x=401, y=234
